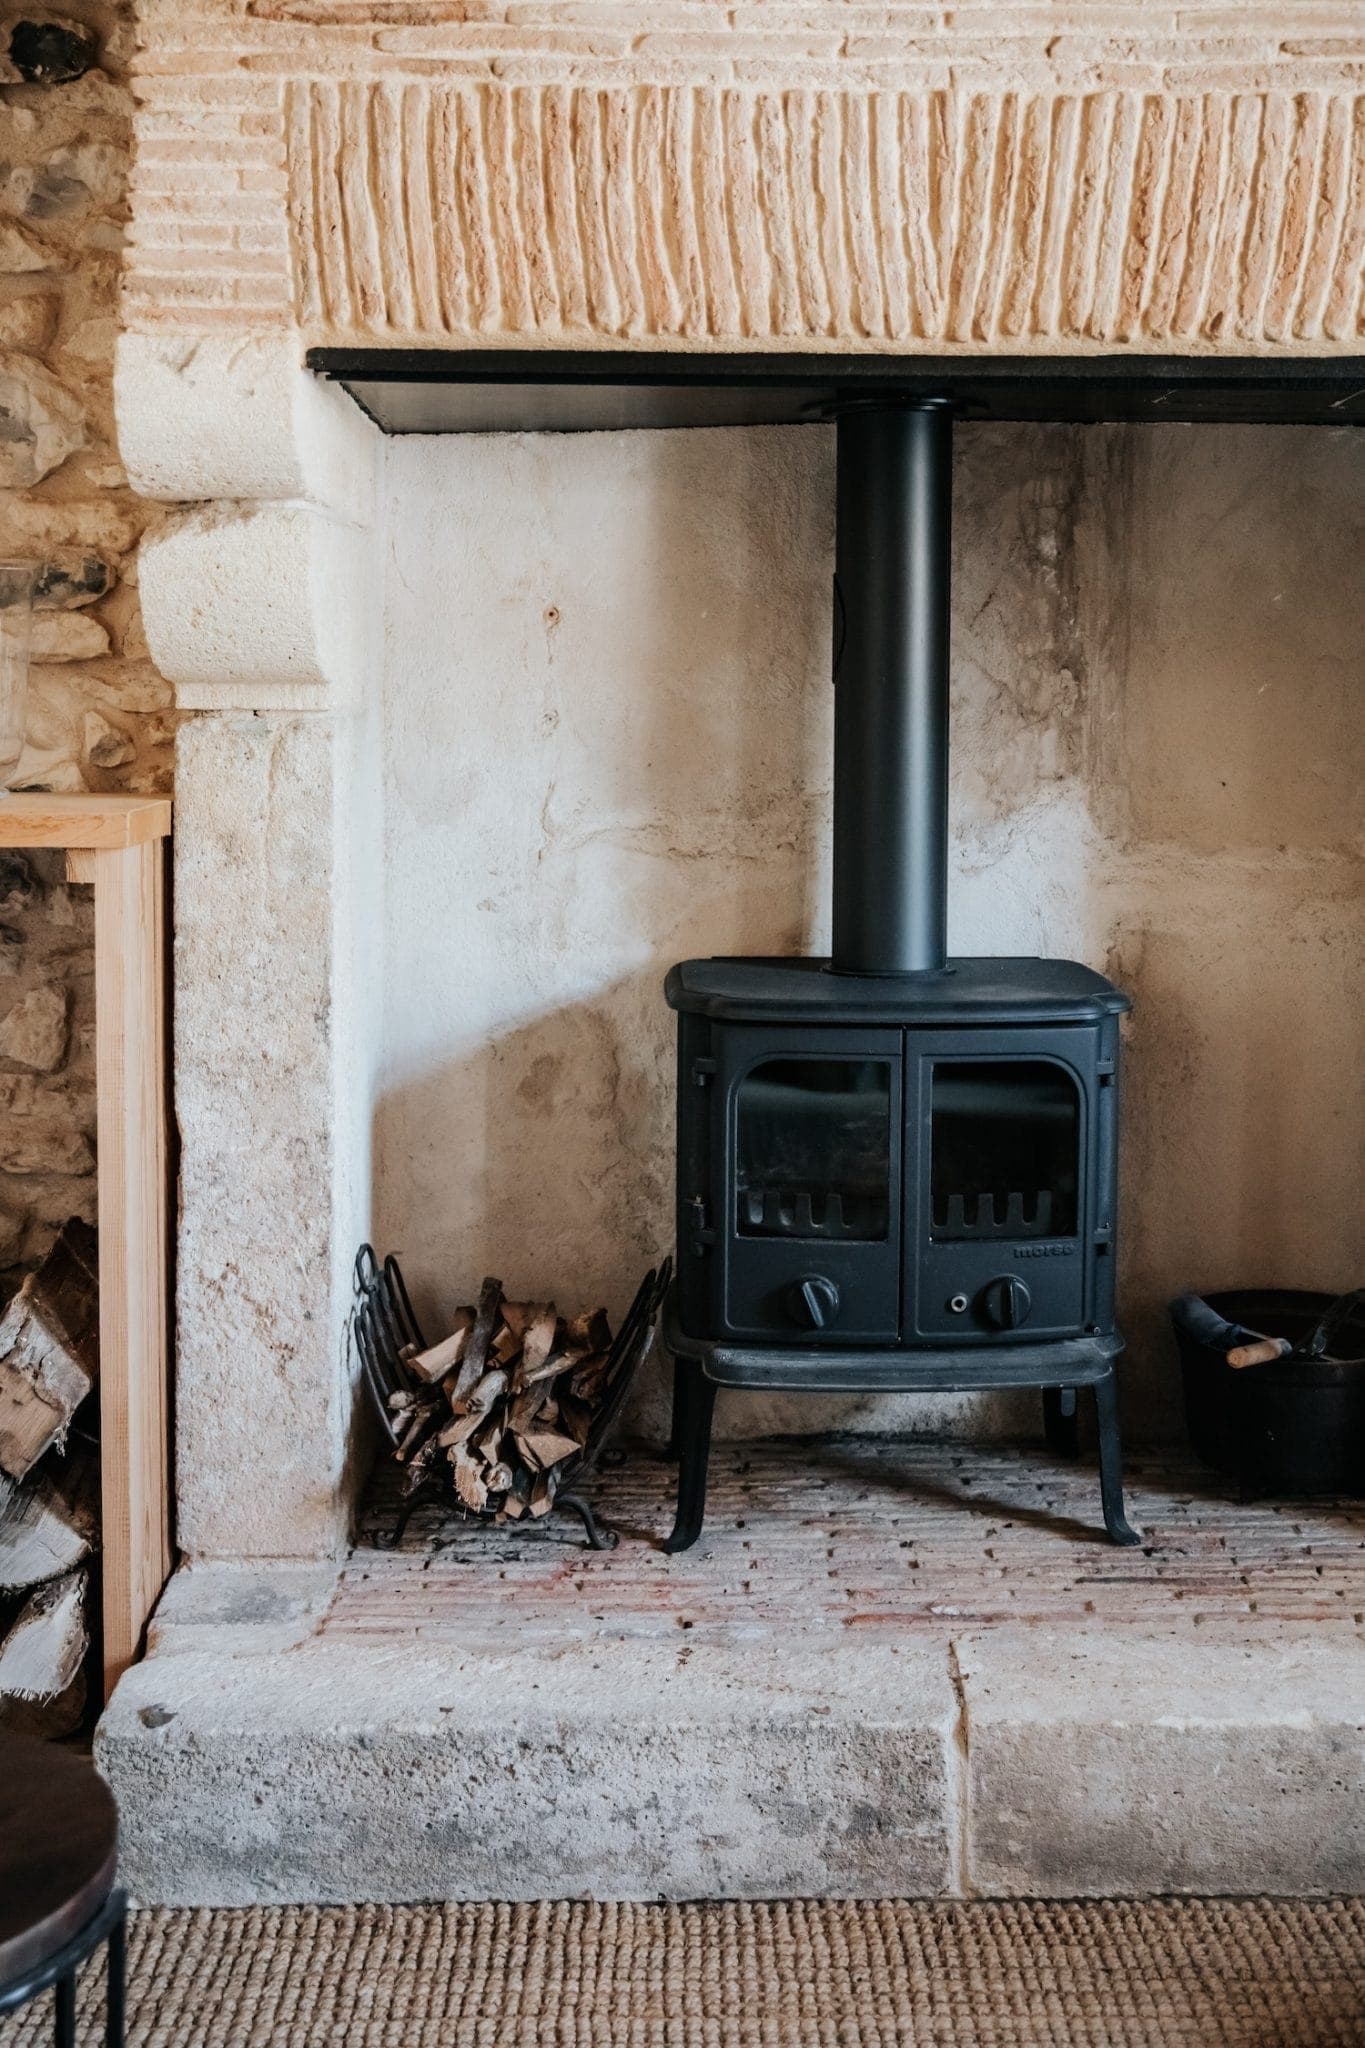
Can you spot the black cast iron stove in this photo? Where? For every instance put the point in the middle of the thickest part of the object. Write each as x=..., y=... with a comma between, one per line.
x=895, y=1170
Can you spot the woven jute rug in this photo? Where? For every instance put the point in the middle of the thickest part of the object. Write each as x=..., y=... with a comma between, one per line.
x=1223, y=1974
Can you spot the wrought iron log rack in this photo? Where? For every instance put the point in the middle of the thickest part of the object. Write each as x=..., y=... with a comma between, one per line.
x=386, y=1332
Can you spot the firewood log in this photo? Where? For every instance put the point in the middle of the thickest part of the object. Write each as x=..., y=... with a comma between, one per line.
x=519, y=1316
x=590, y=1332
x=474, y=1363
x=548, y=1447
x=460, y=1430
x=486, y=1443
x=518, y=1494
x=50, y=1523
x=514, y=1389
x=46, y=1645
x=434, y=1364
x=543, y=1495
x=506, y=1345
x=421, y=1423
x=527, y=1406
x=1263, y=1352
x=585, y=1382
x=49, y=1349
x=543, y=1337
x=486, y=1394
x=469, y=1480
x=420, y=1465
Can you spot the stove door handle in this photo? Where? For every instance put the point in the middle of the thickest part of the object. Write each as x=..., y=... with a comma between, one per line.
x=1006, y=1302
x=814, y=1301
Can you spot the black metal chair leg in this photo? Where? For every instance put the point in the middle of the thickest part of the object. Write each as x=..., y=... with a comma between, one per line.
x=1111, y=1462
x=117, y=1984
x=694, y=1404
x=1060, y=1425
x=66, y=2011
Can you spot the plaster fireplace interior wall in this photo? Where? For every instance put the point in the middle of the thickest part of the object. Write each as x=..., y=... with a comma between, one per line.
x=607, y=744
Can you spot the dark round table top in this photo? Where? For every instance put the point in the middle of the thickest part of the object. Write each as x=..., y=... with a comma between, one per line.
x=58, y=1850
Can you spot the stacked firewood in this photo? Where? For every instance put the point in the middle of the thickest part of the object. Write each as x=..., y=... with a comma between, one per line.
x=513, y=1392
x=49, y=1487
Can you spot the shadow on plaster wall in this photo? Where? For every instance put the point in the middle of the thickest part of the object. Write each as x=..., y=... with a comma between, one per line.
x=649, y=688
x=562, y=1185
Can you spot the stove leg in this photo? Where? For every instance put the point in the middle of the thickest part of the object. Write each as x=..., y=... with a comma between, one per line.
x=673, y=1450
x=1111, y=1461
x=1059, y=1421
x=694, y=1400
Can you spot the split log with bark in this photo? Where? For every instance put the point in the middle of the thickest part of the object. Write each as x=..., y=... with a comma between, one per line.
x=49, y=1350
x=49, y=1523
x=49, y=1488
x=507, y=1403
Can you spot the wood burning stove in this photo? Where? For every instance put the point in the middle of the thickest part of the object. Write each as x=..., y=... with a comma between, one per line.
x=896, y=1170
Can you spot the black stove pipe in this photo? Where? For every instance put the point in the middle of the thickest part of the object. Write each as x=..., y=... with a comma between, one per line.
x=891, y=582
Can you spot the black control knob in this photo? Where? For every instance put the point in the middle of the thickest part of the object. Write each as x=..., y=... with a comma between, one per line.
x=1006, y=1302
x=813, y=1302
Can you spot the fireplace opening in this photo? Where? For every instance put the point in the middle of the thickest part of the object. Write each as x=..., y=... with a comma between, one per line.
x=896, y=1169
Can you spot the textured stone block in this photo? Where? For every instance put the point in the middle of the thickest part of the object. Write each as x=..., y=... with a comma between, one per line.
x=801, y=176
x=41, y=422
x=34, y=1032
x=803, y=209
x=1121, y=1762
x=254, y=1058
x=604, y=1769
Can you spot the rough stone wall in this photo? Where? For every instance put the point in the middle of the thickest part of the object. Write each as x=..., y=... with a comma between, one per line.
x=998, y=174
x=99, y=715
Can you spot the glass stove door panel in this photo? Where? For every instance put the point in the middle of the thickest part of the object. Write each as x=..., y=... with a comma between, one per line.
x=813, y=1194
x=996, y=1186
x=1005, y=1150
x=813, y=1150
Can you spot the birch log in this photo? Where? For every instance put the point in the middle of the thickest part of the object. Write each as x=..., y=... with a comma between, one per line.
x=49, y=1524
x=49, y=1349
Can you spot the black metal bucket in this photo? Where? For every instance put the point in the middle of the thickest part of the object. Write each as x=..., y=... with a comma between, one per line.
x=1293, y=1426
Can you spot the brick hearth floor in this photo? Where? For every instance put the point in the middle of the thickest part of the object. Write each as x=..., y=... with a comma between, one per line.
x=860, y=1534
x=886, y=1669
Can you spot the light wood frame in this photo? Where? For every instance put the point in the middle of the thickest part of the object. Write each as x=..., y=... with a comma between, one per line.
x=119, y=843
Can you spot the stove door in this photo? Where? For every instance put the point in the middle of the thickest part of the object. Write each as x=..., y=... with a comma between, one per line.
x=1000, y=1127
x=813, y=1183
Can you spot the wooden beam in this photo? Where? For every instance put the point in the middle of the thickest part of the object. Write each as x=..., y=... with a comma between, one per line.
x=98, y=822
x=80, y=865
x=130, y=1077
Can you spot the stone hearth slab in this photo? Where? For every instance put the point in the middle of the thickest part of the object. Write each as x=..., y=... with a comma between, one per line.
x=621, y=1770
x=886, y=1669
x=1166, y=1763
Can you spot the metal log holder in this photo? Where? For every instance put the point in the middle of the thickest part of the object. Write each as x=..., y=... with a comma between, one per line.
x=385, y=1328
